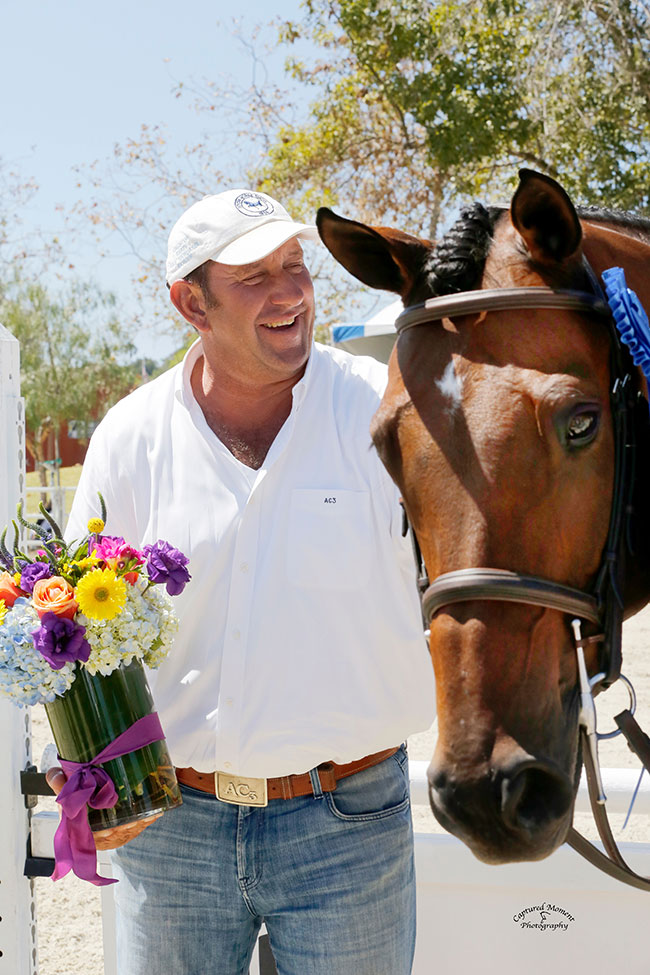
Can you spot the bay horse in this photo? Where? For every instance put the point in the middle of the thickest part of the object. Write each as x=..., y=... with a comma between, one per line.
x=499, y=425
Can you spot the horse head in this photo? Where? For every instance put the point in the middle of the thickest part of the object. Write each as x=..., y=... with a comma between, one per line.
x=497, y=427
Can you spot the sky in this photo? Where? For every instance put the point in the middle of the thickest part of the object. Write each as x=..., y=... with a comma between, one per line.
x=78, y=77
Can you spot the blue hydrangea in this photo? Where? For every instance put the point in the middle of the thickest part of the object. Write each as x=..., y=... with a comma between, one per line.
x=25, y=675
x=144, y=630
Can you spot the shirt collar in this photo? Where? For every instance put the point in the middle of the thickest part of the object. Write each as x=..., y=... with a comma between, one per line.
x=183, y=385
x=299, y=391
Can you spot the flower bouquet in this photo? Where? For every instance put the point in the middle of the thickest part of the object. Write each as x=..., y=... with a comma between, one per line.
x=77, y=623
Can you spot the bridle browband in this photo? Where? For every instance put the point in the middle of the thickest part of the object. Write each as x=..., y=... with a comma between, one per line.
x=498, y=299
x=603, y=606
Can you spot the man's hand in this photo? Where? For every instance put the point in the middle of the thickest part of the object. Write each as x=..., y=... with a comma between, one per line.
x=105, y=839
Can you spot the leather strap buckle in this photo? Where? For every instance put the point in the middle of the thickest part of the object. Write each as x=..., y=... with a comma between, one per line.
x=239, y=790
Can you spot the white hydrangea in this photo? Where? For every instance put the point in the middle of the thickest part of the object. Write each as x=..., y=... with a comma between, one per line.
x=143, y=630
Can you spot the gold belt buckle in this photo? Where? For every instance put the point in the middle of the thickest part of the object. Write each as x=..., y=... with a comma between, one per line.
x=239, y=790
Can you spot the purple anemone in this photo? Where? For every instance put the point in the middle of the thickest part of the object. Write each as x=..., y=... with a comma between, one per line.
x=166, y=565
x=61, y=640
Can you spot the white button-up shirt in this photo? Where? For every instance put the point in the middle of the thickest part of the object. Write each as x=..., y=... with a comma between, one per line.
x=301, y=637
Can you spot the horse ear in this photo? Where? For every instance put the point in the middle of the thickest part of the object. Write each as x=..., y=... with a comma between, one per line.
x=378, y=256
x=545, y=217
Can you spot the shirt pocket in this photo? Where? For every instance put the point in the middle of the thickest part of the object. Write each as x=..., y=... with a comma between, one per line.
x=330, y=539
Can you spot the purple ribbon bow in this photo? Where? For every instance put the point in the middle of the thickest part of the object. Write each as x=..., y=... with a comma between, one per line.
x=89, y=785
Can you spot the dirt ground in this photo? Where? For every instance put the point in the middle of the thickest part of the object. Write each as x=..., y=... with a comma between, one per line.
x=69, y=915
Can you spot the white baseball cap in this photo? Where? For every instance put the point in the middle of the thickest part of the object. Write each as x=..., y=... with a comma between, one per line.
x=234, y=227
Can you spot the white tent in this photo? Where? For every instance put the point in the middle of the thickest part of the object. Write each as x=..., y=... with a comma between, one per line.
x=375, y=337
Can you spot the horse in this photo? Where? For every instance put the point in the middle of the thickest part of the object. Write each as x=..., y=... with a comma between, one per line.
x=500, y=425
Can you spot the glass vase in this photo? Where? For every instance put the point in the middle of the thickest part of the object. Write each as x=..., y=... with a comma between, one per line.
x=89, y=716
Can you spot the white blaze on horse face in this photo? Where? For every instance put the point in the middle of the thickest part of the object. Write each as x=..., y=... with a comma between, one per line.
x=450, y=387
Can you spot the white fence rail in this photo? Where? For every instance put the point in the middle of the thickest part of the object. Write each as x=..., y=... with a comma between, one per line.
x=558, y=915
x=17, y=912
x=57, y=498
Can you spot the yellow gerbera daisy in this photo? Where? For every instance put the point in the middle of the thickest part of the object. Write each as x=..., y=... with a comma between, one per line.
x=100, y=594
x=3, y=611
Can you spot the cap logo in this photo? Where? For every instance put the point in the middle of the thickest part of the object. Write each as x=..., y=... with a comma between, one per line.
x=253, y=205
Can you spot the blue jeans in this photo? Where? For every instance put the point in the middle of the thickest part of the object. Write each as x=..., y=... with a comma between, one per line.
x=331, y=876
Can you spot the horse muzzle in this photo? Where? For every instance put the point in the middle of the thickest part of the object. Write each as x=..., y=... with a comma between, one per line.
x=520, y=810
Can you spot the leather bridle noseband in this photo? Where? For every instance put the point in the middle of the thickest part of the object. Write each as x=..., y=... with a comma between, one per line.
x=603, y=606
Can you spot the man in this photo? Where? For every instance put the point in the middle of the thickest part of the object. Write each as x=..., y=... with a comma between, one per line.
x=300, y=666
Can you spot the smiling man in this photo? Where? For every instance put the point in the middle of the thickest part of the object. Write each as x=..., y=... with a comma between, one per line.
x=300, y=667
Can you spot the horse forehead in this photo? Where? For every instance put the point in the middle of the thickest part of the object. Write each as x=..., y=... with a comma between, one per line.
x=496, y=358
x=450, y=386
x=537, y=354
x=529, y=348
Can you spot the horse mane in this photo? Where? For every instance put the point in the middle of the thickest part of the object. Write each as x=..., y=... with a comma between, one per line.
x=457, y=261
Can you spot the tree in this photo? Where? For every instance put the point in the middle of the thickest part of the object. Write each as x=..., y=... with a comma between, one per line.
x=17, y=245
x=458, y=94
x=74, y=357
x=411, y=99
x=414, y=107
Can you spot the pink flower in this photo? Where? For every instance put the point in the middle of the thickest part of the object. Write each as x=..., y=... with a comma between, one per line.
x=116, y=554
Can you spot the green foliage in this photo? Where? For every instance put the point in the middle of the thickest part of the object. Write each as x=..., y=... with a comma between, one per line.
x=459, y=94
x=73, y=353
x=415, y=106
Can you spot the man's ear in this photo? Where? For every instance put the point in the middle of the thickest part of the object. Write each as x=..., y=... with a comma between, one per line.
x=187, y=298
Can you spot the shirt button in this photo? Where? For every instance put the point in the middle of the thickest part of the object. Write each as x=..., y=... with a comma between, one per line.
x=229, y=702
x=236, y=634
x=227, y=764
x=244, y=566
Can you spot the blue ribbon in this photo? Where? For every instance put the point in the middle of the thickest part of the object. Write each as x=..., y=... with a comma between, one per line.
x=630, y=318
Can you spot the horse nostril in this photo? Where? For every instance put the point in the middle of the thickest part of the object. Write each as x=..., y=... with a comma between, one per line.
x=534, y=796
x=437, y=778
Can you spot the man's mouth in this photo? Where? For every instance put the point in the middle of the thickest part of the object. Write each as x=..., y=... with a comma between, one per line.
x=281, y=323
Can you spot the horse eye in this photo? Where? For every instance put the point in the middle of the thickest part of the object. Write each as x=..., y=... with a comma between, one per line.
x=582, y=427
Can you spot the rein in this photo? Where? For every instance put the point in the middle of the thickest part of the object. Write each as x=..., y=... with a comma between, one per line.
x=604, y=605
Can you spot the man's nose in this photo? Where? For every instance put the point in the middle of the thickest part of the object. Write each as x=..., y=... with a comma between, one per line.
x=286, y=290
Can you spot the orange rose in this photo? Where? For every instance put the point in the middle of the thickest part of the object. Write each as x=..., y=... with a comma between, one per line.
x=54, y=595
x=9, y=591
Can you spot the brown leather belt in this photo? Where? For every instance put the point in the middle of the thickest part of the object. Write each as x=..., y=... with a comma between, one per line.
x=242, y=791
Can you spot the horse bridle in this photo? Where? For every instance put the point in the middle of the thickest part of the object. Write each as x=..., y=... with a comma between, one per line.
x=603, y=606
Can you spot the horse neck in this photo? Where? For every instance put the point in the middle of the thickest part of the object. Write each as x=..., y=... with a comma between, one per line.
x=614, y=245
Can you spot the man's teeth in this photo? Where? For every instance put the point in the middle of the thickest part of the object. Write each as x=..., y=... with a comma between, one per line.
x=287, y=321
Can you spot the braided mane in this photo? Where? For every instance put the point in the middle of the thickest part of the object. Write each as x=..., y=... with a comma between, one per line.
x=457, y=261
